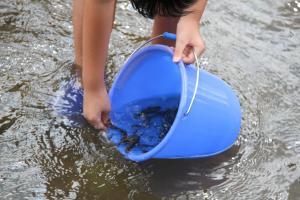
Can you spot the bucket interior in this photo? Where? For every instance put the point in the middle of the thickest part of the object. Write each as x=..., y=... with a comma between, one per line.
x=145, y=98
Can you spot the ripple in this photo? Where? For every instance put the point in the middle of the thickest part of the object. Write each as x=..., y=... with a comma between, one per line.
x=252, y=45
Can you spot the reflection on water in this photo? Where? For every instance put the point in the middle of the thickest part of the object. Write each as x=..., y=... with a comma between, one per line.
x=253, y=45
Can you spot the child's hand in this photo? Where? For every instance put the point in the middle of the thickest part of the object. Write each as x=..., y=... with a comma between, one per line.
x=96, y=106
x=188, y=38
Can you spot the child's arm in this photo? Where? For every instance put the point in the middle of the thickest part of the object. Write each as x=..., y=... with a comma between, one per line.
x=97, y=26
x=188, y=34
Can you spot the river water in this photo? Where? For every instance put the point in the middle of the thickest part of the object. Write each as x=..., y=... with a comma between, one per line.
x=253, y=45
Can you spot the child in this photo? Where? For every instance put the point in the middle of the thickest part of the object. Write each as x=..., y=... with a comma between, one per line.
x=93, y=20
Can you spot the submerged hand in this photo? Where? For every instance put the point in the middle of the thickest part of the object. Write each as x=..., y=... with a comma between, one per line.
x=96, y=107
x=188, y=38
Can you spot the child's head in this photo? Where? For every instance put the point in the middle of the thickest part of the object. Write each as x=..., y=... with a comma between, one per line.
x=171, y=8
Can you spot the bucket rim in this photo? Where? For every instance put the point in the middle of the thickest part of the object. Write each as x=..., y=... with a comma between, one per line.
x=181, y=107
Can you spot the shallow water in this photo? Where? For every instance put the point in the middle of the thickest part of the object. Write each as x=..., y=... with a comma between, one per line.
x=253, y=45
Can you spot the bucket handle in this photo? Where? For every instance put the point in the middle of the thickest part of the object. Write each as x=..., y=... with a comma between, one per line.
x=172, y=36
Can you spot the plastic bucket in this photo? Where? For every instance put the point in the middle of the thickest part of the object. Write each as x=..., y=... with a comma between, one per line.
x=208, y=118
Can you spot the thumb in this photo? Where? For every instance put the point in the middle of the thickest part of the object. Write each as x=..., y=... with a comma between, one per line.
x=105, y=119
x=99, y=124
x=178, y=51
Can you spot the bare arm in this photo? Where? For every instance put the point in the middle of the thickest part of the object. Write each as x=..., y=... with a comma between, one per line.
x=97, y=26
x=196, y=10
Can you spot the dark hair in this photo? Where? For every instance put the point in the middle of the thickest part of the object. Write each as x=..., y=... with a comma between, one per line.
x=170, y=8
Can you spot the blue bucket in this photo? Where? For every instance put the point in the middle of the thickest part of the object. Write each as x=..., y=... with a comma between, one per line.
x=208, y=118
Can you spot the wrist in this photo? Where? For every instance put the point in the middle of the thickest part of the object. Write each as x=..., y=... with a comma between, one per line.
x=191, y=18
x=93, y=85
x=93, y=79
x=188, y=22
x=94, y=93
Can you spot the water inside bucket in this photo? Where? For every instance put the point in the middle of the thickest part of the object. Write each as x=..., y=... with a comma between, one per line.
x=141, y=125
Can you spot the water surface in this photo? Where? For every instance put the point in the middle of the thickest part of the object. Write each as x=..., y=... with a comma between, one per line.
x=253, y=45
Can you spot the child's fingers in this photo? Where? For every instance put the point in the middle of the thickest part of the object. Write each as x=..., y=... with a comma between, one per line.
x=105, y=118
x=199, y=48
x=188, y=55
x=99, y=125
x=178, y=51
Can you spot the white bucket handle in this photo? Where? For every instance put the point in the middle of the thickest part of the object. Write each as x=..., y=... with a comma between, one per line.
x=172, y=36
